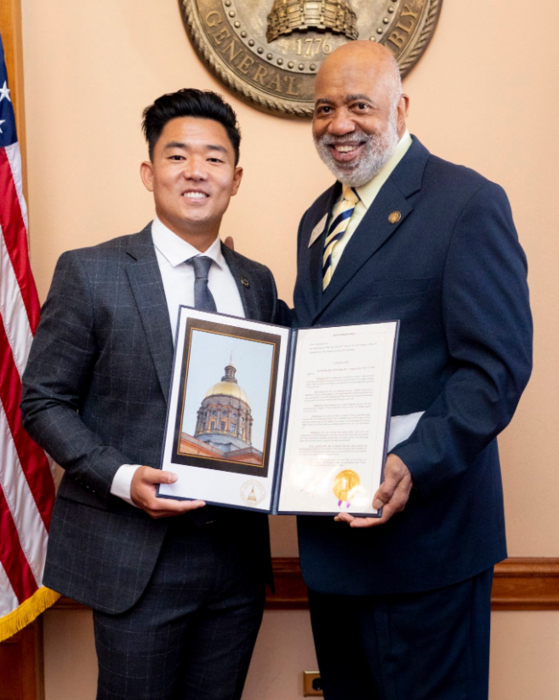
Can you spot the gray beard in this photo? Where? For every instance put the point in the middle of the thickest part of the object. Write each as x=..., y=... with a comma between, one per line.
x=378, y=149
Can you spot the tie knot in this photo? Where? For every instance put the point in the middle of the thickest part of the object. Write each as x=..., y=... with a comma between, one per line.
x=350, y=194
x=201, y=265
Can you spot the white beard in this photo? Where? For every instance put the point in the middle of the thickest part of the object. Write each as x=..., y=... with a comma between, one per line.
x=377, y=151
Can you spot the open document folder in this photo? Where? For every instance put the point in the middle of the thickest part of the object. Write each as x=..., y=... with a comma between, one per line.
x=279, y=420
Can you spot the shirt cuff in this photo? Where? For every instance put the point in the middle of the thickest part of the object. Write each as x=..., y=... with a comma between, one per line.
x=122, y=482
x=401, y=428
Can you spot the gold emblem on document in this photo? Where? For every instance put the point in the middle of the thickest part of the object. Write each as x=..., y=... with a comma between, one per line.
x=344, y=487
x=252, y=492
x=268, y=51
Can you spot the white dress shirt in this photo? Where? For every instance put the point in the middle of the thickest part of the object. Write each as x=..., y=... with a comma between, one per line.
x=172, y=252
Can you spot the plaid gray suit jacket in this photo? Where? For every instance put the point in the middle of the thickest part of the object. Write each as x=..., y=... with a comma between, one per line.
x=95, y=397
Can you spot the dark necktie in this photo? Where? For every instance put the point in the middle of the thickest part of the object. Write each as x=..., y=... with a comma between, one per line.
x=203, y=298
x=203, y=301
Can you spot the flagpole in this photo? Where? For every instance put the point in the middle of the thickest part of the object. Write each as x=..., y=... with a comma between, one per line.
x=10, y=29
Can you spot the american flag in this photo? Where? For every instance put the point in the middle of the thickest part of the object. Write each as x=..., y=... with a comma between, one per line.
x=26, y=481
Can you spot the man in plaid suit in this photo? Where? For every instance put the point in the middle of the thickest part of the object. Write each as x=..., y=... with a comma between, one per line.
x=177, y=588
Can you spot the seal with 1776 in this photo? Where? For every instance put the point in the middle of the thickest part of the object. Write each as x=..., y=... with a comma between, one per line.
x=268, y=51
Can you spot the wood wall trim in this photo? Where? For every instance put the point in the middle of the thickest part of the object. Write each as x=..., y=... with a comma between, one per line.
x=21, y=664
x=526, y=583
x=520, y=583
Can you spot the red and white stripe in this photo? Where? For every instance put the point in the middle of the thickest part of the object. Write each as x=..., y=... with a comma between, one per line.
x=26, y=481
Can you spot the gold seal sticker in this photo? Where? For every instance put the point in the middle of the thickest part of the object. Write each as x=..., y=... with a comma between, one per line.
x=344, y=484
x=252, y=492
x=269, y=51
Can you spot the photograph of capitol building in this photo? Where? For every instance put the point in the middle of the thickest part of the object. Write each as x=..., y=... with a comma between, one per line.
x=227, y=399
x=224, y=423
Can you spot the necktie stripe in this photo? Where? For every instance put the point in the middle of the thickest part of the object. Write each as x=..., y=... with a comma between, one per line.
x=340, y=218
x=336, y=237
x=338, y=227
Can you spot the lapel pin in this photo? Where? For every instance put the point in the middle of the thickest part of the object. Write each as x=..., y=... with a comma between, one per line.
x=245, y=282
x=394, y=217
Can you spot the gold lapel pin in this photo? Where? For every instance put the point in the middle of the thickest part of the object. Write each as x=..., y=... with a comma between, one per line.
x=245, y=282
x=394, y=217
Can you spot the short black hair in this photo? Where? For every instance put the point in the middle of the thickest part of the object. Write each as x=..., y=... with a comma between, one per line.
x=189, y=102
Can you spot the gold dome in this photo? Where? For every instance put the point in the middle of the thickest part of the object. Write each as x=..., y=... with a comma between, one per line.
x=228, y=389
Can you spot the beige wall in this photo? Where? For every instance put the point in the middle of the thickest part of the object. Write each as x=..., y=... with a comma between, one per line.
x=484, y=95
x=525, y=649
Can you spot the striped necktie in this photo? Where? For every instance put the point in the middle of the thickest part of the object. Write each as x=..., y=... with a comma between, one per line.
x=337, y=228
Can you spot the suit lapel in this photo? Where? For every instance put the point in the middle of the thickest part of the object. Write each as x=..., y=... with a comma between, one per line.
x=312, y=255
x=373, y=231
x=378, y=226
x=147, y=286
x=244, y=282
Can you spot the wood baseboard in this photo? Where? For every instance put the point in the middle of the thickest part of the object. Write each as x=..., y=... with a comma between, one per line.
x=21, y=664
x=520, y=583
x=526, y=583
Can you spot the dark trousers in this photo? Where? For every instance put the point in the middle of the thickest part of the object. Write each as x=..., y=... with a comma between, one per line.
x=422, y=646
x=191, y=634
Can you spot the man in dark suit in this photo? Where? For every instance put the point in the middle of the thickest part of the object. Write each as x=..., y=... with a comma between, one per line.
x=177, y=588
x=400, y=605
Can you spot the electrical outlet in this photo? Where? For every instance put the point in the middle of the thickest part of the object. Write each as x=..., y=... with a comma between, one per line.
x=312, y=684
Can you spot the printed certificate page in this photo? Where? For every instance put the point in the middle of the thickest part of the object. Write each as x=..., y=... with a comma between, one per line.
x=338, y=418
x=224, y=410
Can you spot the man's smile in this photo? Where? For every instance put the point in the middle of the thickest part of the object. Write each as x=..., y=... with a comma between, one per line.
x=195, y=195
x=344, y=152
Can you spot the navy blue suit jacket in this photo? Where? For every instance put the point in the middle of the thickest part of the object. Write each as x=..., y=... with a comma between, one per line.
x=452, y=270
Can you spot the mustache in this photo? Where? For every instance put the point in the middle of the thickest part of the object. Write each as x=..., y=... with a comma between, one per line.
x=331, y=140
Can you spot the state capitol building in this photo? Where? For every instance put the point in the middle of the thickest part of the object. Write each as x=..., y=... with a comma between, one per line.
x=223, y=424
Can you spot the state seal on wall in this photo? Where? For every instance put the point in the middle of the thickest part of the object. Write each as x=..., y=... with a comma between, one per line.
x=269, y=51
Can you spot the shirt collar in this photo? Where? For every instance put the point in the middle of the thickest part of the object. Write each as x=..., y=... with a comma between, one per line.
x=176, y=250
x=369, y=190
